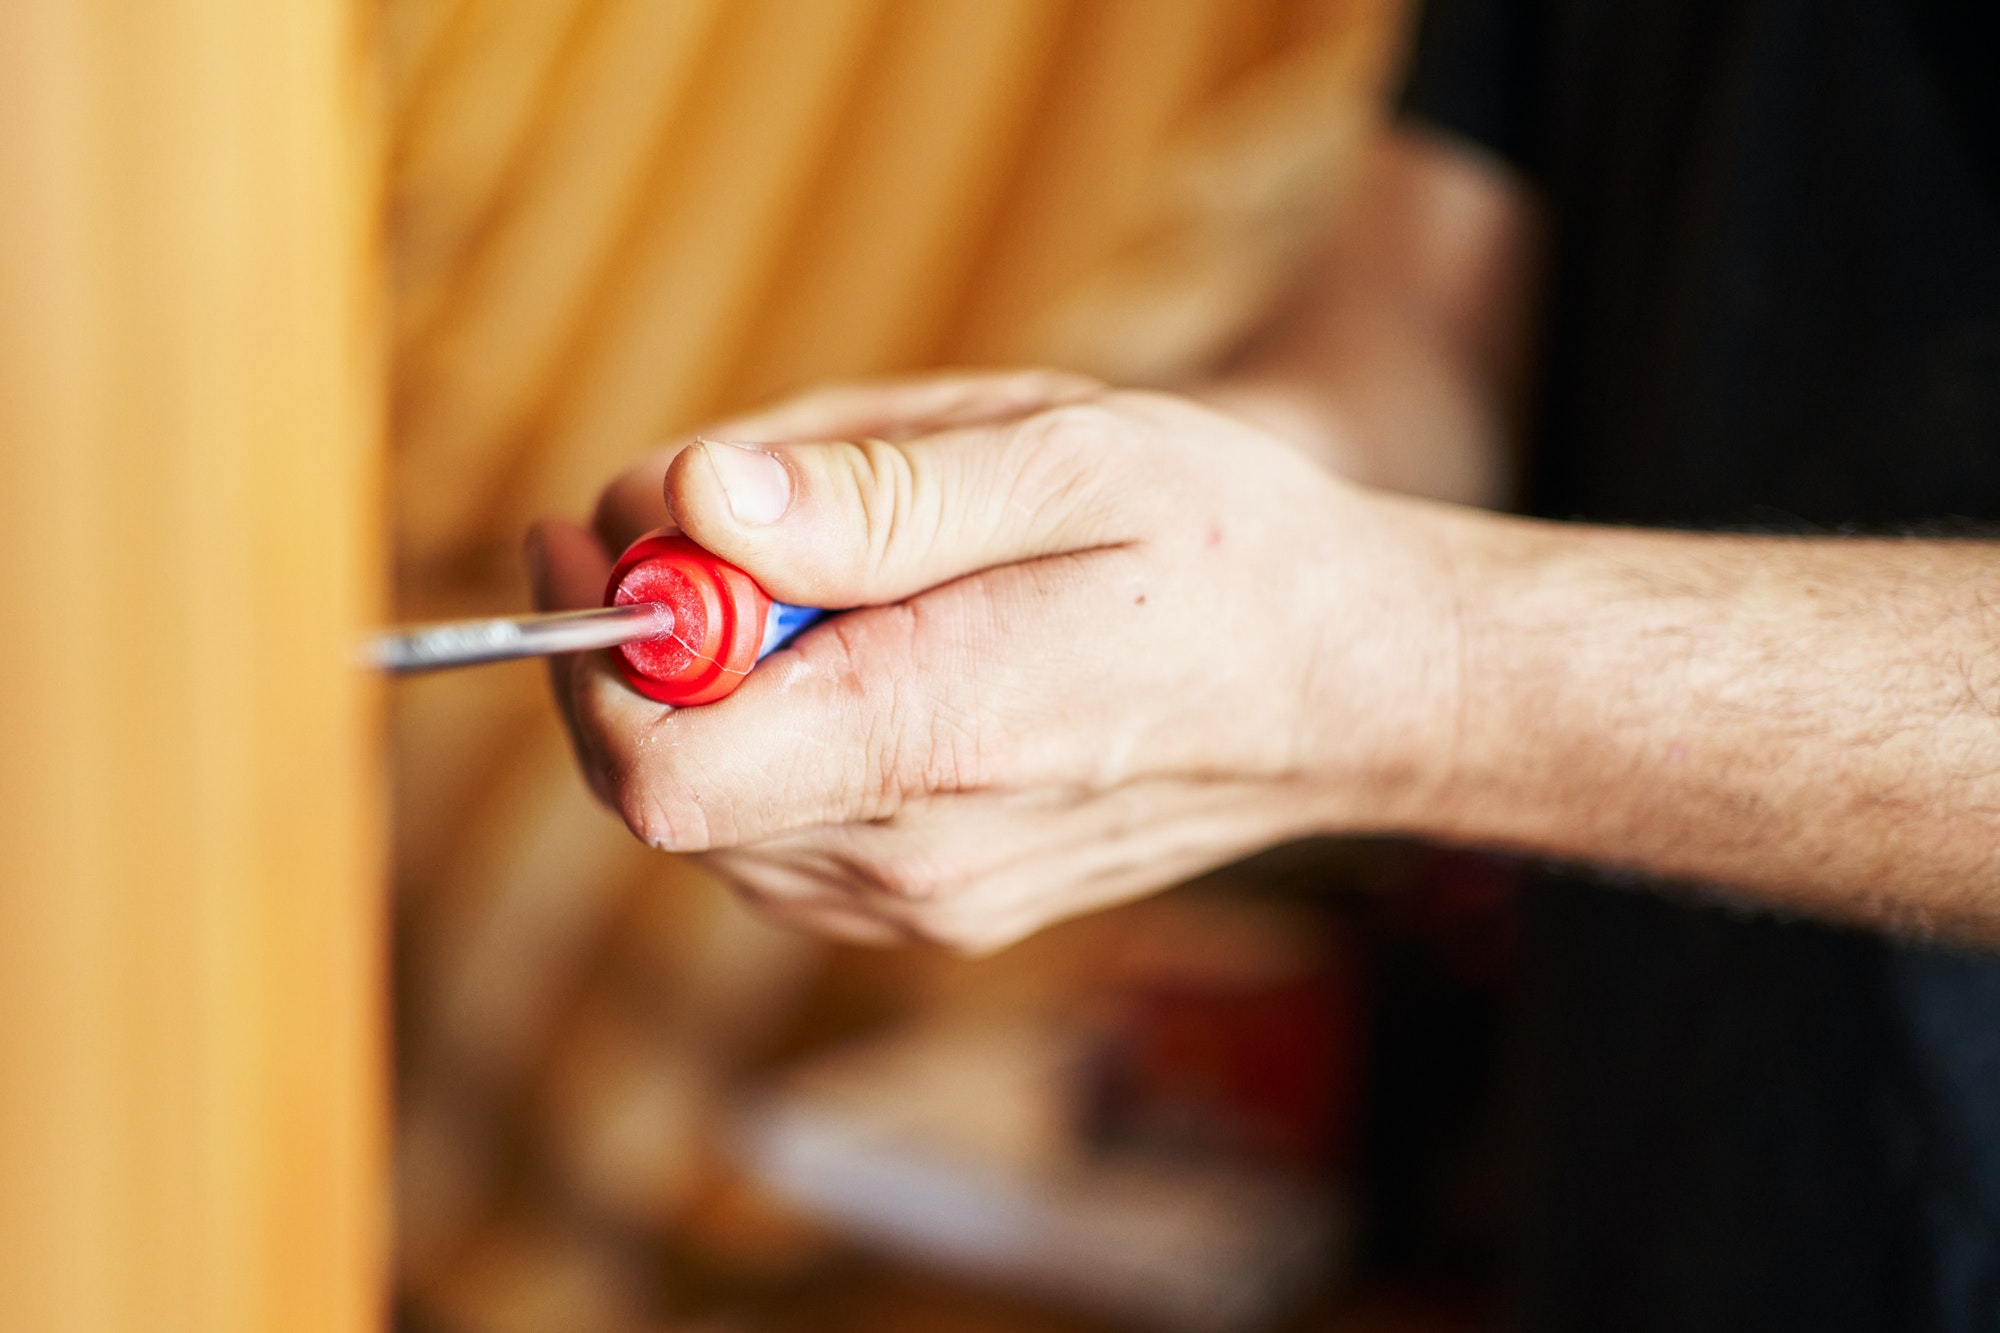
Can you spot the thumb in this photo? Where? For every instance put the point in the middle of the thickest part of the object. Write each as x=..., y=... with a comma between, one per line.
x=865, y=522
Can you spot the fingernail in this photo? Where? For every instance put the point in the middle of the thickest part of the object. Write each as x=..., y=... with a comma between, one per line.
x=757, y=485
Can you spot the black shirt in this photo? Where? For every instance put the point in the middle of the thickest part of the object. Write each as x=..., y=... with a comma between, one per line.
x=1774, y=301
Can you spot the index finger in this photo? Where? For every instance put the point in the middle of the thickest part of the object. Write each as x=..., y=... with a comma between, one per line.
x=863, y=714
x=898, y=409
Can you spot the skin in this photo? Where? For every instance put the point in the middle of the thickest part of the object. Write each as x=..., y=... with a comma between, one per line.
x=1107, y=639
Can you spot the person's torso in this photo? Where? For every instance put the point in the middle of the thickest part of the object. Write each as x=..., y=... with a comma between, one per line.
x=1776, y=291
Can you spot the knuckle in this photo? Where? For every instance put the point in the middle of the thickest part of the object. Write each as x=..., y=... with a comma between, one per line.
x=870, y=784
x=927, y=749
x=884, y=479
x=759, y=897
x=1062, y=459
x=909, y=744
x=883, y=785
x=1035, y=390
x=896, y=859
x=775, y=907
x=1088, y=428
x=924, y=734
x=662, y=822
x=950, y=754
x=961, y=932
x=911, y=879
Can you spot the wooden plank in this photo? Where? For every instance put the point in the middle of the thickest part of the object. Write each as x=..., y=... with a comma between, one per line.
x=1235, y=202
x=507, y=934
x=676, y=304
x=519, y=913
x=462, y=130
x=190, y=983
x=1131, y=69
x=900, y=198
x=468, y=383
x=413, y=31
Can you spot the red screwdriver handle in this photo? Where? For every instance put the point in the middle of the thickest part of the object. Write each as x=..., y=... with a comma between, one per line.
x=719, y=619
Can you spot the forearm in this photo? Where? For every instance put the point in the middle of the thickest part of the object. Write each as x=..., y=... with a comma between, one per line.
x=1810, y=722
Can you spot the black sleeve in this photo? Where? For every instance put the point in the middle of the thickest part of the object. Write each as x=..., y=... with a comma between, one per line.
x=1472, y=73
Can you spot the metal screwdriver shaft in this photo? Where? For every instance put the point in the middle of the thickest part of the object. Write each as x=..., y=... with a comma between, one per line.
x=470, y=642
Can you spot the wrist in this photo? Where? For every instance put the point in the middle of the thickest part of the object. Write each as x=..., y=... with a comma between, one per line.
x=1387, y=682
x=1543, y=616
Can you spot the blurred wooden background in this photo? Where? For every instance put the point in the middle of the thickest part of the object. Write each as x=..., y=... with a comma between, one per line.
x=606, y=220
x=610, y=220
x=191, y=989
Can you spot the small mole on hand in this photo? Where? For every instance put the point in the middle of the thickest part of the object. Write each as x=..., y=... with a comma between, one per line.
x=1140, y=600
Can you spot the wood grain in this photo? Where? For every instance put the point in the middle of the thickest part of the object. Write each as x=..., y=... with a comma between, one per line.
x=190, y=978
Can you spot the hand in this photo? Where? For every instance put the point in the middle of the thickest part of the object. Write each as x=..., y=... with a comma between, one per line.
x=1103, y=641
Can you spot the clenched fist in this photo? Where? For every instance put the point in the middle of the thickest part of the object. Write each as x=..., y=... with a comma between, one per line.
x=1094, y=642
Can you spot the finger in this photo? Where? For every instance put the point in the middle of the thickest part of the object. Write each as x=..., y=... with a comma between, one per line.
x=889, y=409
x=858, y=523
x=977, y=872
x=900, y=408
x=799, y=894
x=940, y=870
x=860, y=716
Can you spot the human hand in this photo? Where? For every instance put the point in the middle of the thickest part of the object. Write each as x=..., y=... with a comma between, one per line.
x=1103, y=641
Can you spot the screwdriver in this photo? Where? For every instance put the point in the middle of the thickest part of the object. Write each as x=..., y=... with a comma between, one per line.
x=457, y=643
x=685, y=627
